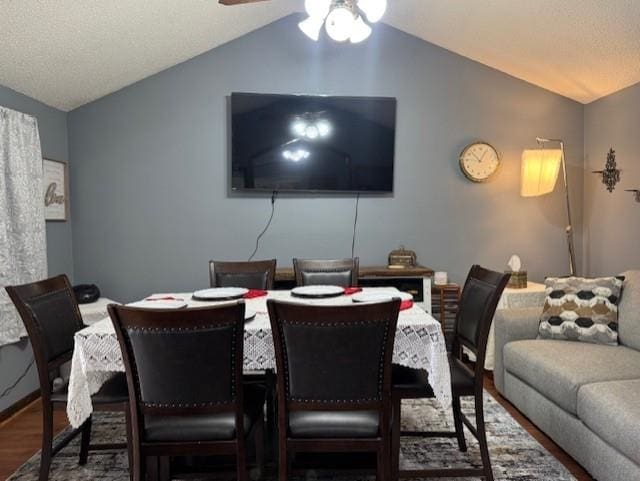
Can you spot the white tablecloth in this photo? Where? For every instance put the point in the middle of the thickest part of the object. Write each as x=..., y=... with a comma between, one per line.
x=419, y=344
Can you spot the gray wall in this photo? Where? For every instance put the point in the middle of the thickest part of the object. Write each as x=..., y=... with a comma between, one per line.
x=612, y=220
x=52, y=124
x=150, y=199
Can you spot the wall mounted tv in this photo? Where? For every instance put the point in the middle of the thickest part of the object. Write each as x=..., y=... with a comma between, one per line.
x=300, y=143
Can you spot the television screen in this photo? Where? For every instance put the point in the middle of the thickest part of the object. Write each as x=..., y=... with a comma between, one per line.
x=312, y=143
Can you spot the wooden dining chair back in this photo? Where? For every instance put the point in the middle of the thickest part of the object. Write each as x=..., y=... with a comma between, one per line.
x=251, y=275
x=334, y=378
x=478, y=303
x=184, y=374
x=340, y=272
x=480, y=296
x=51, y=317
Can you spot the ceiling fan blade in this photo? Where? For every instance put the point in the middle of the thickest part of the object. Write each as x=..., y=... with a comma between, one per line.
x=238, y=2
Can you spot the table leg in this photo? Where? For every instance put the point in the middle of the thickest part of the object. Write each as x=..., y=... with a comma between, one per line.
x=272, y=416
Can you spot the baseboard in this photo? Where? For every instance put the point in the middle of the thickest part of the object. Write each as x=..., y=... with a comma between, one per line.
x=19, y=405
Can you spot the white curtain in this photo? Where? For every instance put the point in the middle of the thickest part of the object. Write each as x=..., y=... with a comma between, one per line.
x=23, y=249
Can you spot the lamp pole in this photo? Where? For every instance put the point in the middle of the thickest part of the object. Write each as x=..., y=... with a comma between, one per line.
x=569, y=228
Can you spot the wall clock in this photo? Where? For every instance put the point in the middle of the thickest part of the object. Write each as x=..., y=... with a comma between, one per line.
x=479, y=161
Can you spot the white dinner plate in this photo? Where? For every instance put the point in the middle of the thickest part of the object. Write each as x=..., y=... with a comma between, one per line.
x=380, y=296
x=159, y=304
x=318, y=291
x=220, y=293
x=249, y=315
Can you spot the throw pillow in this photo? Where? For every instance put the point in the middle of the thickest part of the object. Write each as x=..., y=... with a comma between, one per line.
x=581, y=309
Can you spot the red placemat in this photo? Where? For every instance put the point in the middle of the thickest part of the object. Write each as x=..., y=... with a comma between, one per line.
x=352, y=290
x=253, y=293
x=404, y=305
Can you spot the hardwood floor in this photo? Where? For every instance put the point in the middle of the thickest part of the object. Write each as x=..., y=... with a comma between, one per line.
x=574, y=468
x=20, y=436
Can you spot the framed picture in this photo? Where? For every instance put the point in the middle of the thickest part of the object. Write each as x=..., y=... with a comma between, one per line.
x=56, y=190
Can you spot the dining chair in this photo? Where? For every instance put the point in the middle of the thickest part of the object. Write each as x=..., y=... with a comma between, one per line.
x=480, y=295
x=334, y=379
x=51, y=317
x=252, y=275
x=184, y=375
x=342, y=272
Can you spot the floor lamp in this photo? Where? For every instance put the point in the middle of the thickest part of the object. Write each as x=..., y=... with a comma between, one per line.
x=540, y=168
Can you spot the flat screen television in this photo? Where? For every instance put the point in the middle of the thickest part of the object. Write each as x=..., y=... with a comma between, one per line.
x=301, y=143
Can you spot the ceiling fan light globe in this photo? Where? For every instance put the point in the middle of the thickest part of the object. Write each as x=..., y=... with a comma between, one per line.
x=298, y=127
x=311, y=27
x=373, y=9
x=324, y=128
x=339, y=23
x=317, y=8
x=312, y=132
x=360, y=32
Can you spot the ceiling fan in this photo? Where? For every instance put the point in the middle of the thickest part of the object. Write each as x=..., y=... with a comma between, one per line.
x=343, y=19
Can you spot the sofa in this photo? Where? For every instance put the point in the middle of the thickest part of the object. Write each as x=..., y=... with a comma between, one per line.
x=586, y=397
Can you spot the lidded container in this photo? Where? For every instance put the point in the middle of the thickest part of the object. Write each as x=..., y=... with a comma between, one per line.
x=402, y=258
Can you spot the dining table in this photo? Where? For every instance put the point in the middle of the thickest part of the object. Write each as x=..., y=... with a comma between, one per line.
x=419, y=344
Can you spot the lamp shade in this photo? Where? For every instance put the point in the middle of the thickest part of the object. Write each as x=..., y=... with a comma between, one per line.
x=540, y=169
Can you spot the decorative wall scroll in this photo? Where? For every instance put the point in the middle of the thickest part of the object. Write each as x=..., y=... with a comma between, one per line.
x=56, y=190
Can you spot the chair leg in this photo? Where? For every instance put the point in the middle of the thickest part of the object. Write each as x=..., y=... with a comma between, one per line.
x=457, y=421
x=130, y=451
x=258, y=438
x=386, y=457
x=270, y=386
x=241, y=462
x=395, y=436
x=85, y=439
x=139, y=468
x=380, y=465
x=164, y=468
x=482, y=438
x=283, y=459
x=47, y=441
x=152, y=468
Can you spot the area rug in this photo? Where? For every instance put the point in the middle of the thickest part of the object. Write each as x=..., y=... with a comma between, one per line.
x=515, y=455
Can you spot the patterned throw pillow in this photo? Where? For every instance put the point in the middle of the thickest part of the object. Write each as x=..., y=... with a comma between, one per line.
x=581, y=309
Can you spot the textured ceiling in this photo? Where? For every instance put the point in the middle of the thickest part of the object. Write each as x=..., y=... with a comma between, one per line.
x=582, y=49
x=69, y=52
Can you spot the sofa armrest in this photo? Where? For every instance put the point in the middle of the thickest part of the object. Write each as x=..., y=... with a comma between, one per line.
x=512, y=325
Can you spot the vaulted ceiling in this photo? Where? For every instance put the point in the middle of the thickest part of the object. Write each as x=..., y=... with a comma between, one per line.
x=66, y=53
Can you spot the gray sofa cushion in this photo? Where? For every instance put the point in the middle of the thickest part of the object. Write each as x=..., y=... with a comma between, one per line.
x=629, y=311
x=612, y=410
x=558, y=368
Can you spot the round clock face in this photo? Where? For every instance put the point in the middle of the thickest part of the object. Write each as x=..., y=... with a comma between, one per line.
x=479, y=161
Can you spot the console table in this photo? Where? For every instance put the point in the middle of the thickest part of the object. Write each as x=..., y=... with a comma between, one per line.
x=531, y=296
x=414, y=280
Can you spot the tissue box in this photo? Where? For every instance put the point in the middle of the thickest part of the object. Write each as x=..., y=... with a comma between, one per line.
x=518, y=279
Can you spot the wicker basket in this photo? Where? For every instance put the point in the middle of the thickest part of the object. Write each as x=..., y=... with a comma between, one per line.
x=518, y=279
